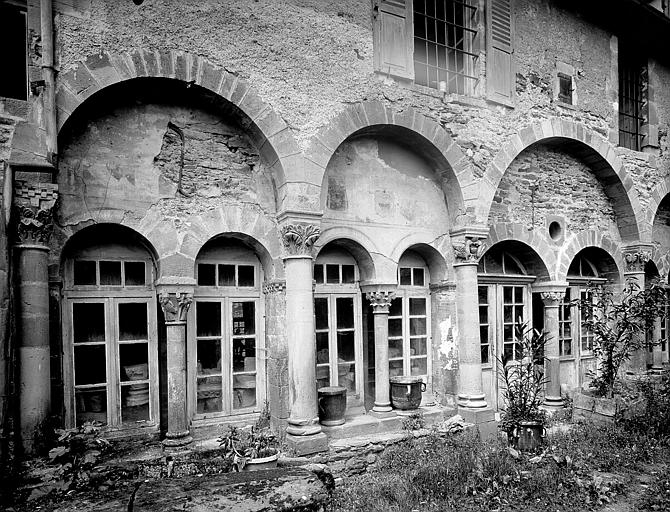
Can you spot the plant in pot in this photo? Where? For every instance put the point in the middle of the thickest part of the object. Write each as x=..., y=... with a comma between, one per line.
x=521, y=372
x=250, y=449
x=621, y=323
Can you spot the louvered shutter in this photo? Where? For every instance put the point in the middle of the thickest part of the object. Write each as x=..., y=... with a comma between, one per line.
x=499, y=49
x=393, y=38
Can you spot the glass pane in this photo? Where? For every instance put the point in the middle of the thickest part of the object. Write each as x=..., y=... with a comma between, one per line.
x=208, y=318
x=318, y=274
x=417, y=326
x=134, y=361
x=347, y=274
x=90, y=365
x=405, y=276
x=483, y=295
x=135, y=273
x=508, y=333
x=135, y=403
x=396, y=307
x=244, y=391
x=110, y=273
x=395, y=348
x=419, y=366
x=508, y=351
x=345, y=312
x=133, y=321
x=395, y=327
x=321, y=312
x=88, y=322
x=417, y=273
x=206, y=274
x=322, y=348
x=483, y=314
x=209, y=395
x=417, y=306
x=507, y=295
x=484, y=334
x=245, y=275
x=346, y=376
x=226, y=275
x=84, y=273
x=244, y=318
x=91, y=405
x=396, y=368
x=209, y=357
x=244, y=355
x=485, y=354
x=518, y=294
x=345, y=346
x=508, y=313
x=333, y=274
x=418, y=347
x=322, y=376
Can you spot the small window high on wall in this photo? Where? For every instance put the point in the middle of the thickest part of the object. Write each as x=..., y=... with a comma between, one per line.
x=13, y=37
x=632, y=68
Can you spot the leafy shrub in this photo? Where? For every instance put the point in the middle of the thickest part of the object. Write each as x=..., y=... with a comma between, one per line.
x=414, y=421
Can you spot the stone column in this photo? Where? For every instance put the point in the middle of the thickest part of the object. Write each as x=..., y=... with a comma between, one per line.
x=635, y=259
x=468, y=248
x=277, y=351
x=303, y=431
x=657, y=353
x=380, y=301
x=552, y=367
x=33, y=217
x=175, y=305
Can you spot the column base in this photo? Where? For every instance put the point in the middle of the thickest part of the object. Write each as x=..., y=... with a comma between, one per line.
x=306, y=445
x=477, y=401
x=382, y=407
x=308, y=427
x=553, y=403
x=483, y=419
x=176, y=439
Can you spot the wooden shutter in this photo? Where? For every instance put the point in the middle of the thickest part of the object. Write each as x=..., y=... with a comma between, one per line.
x=500, y=46
x=393, y=38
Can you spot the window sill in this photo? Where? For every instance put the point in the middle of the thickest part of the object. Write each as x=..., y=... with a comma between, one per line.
x=562, y=104
x=566, y=359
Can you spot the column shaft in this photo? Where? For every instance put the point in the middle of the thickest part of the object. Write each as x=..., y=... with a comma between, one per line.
x=638, y=359
x=552, y=365
x=382, y=399
x=178, y=425
x=657, y=353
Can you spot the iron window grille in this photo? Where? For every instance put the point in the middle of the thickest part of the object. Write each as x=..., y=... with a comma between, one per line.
x=631, y=100
x=445, y=37
x=565, y=88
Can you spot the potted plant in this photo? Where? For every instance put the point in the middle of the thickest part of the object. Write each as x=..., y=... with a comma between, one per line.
x=621, y=324
x=250, y=450
x=522, y=378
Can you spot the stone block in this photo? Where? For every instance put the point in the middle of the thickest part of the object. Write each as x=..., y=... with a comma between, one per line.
x=180, y=67
x=306, y=445
x=167, y=67
x=138, y=62
x=151, y=63
x=211, y=76
x=79, y=80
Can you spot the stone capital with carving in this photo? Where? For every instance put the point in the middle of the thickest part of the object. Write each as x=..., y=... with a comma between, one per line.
x=33, y=211
x=636, y=260
x=298, y=239
x=175, y=306
x=277, y=286
x=552, y=298
x=380, y=300
x=468, y=249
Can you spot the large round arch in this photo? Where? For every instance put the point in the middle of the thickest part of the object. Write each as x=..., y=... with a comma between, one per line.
x=503, y=232
x=355, y=243
x=583, y=240
x=659, y=195
x=586, y=145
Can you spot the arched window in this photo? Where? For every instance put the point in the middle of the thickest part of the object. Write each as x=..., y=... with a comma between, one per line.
x=227, y=370
x=110, y=332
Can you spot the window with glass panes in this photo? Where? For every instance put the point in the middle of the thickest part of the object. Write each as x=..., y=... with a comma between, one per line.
x=228, y=339
x=586, y=335
x=485, y=334
x=514, y=305
x=111, y=330
x=565, y=310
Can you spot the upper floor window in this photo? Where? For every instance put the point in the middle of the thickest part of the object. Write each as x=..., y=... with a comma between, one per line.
x=13, y=36
x=631, y=72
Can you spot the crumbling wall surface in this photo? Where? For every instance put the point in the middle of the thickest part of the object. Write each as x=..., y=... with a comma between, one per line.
x=563, y=186
x=659, y=78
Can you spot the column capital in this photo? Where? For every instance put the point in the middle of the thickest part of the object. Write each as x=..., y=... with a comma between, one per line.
x=175, y=304
x=380, y=300
x=275, y=286
x=551, y=292
x=636, y=257
x=468, y=244
x=298, y=238
x=33, y=212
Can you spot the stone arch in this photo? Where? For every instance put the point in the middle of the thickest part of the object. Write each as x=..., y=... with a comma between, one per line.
x=508, y=231
x=436, y=144
x=583, y=240
x=271, y=135
x=359, y=245
x=661, y=190
x=439, y=265
x=591, y=148
x=662, y=261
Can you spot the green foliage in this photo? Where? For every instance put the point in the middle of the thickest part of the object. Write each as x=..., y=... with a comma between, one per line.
x=522, y=380
x=241, y=445
x=653, y=418
x=657, y=496
x=414, y=421
x=620, y=324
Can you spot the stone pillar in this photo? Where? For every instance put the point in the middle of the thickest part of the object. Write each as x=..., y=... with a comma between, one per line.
x=635, y=259
x=303, y=431
x=551, y=297
x=468, y=248
x=277, y=351
x=175, y=305
x=380, y=301
x=657, y=353
x=33, y=217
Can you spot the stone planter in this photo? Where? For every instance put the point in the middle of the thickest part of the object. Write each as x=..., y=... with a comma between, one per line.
x=601, y=410
x=269, y=462
x=528, y=436
x=332, y=405
x=406, y=392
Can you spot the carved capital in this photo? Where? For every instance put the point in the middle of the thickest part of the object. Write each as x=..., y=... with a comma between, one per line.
x=552, y=298
x=635, y=261
x=380, y=300
x=274, y=287
x=298, y=239
x=468, y=249
x=33, y=211
x=175, y=305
